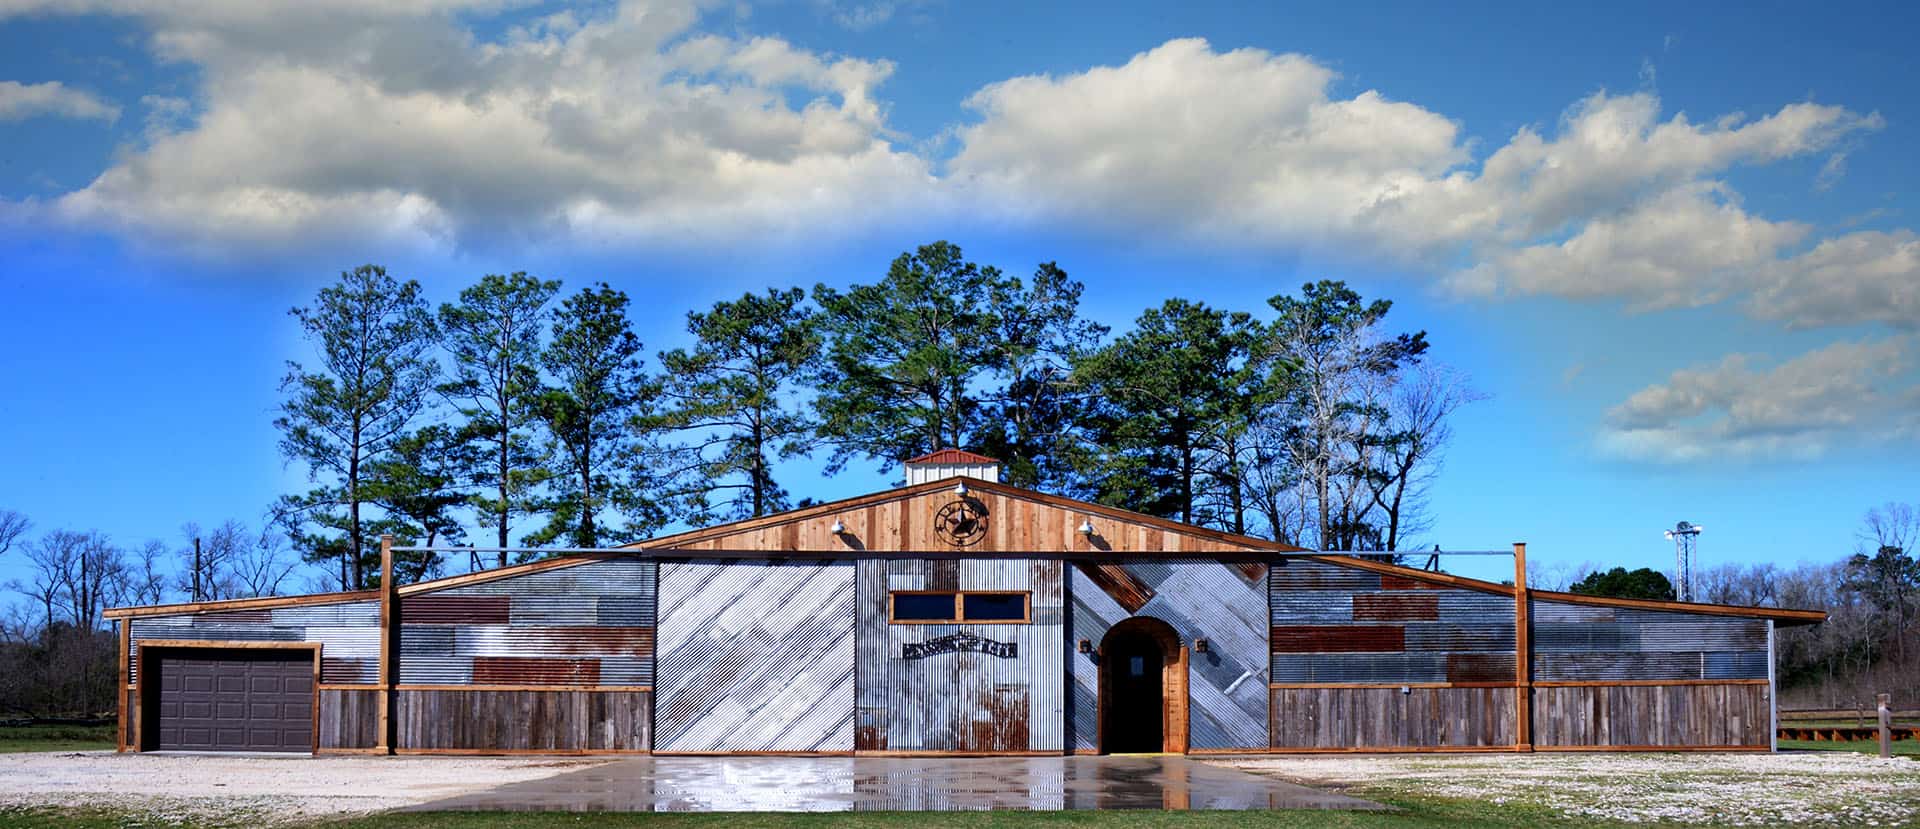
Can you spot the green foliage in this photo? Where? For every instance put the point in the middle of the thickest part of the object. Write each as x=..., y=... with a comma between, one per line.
x=735, y=387
x=903, y=356
x=493, y=337
x=1035, y=419
x=1621, y=583
x=374, y=336
x=417, y=484
x=597, y=411
x=1170, y=393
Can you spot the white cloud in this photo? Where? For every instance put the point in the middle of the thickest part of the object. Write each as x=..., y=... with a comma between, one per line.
x=1689, y=246
x=406, y=130
x=395, y=123
x=1861, y=277
x=20, y=101
x=1846, y=393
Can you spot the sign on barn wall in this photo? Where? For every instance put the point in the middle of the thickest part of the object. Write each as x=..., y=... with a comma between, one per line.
x=956, y=643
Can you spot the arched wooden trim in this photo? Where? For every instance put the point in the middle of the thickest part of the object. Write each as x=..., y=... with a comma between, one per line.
x=1173, y=682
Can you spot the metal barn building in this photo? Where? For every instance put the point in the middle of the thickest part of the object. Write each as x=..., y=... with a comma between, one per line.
x=955, y=615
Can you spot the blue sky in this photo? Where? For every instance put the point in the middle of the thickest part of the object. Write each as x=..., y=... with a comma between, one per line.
x=1672, y=242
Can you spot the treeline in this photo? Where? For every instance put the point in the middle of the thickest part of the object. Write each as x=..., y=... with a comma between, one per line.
x=1867, y=646
x=519, y=404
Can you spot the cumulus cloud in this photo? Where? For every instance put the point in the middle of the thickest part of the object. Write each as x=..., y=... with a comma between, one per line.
x=1615, y=201
x=20, y=101
x=396, y=125
x=1848, y=392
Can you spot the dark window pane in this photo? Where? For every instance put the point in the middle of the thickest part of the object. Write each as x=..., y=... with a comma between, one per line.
x=914, y=607
x=996, y=607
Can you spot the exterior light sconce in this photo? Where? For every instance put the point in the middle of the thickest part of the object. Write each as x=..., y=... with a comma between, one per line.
x=1086, y=527
x=1406, y=690
x=1201, y=645
x=838, y=528
x=960, y=489
x=1086, y=646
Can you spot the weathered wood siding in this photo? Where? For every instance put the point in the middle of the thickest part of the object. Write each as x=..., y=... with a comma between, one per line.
x=1015, y=524
x=1387, y=718
x=962, y=701
x=755, y=656
x=1345, y=625
x=348, y=632
x=1730, y=716
x=349, y=718
x=1575, y=643
x=521, y=721
x=1222, y=602
x=586, y=625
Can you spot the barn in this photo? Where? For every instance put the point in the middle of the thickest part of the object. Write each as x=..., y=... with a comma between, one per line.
x=953, y=615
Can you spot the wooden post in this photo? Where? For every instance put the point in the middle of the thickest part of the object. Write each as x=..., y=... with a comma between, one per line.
x=120, y=684
x=1522, y=654
x=389, y=614
x=1886, y=726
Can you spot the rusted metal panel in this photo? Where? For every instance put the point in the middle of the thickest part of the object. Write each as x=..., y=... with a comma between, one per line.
x=348, y=632
x=1338, y=638
x=1335, y=624
x=961, y=700
x=1361, y=668
x=525, y=670
x=755, y=656
x=1390, y=607
x=1207, y=599
x=1587, y=643
x=437, y=609
x=1302, y=574
x=600, y=612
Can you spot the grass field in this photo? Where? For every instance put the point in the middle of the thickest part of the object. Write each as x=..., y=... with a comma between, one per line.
x=1901, y=748
x=1413, y=814
x=55, y=737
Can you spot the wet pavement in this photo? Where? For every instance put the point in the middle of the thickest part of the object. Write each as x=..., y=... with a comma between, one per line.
x=840, y=784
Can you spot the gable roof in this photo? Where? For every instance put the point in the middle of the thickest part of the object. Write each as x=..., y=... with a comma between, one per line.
x=1030, y=522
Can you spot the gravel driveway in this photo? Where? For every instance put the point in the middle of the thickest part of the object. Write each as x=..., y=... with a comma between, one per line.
x=256, y=789
x=1793, y=788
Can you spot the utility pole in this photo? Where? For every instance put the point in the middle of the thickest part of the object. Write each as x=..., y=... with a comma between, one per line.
x=196, y=569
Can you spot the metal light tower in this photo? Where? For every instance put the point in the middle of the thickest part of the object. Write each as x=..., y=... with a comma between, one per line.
x=1685, y=535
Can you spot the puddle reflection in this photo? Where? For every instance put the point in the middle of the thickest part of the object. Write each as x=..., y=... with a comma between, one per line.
x=838, y=784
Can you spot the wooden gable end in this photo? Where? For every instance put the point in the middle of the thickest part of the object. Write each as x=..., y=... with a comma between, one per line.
x=909, y=520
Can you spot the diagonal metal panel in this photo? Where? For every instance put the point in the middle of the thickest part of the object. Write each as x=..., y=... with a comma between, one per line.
x=755, y=656
x=1226, y=687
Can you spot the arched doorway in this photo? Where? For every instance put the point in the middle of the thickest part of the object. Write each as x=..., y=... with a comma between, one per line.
x=1143, y=688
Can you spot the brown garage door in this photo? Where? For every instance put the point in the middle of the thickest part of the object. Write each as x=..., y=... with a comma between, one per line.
x=235, y=700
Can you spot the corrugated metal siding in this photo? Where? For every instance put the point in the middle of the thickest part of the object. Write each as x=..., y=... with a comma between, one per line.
x=349, y=633
x=1227, y=686
x=962, y=701
x=1347, y=625
x=755, y=656
x=1577, y=643
x=590, y=624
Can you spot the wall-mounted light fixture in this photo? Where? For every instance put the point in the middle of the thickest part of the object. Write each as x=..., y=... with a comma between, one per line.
x=838, y=528
x=1201, y=645
x=1086, y=527
x=960, y=489
x=1086, y=646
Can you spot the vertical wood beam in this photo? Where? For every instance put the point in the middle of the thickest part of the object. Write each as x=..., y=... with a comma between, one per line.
x=1522, y=653
x=389, y=614
x=120, y=684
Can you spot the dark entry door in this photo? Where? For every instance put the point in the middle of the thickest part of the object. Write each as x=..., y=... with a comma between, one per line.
x=235, y=700
x=1136, y=702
